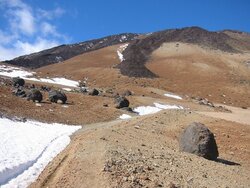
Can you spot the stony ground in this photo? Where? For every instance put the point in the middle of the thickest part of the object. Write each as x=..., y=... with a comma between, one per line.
x=142, y=151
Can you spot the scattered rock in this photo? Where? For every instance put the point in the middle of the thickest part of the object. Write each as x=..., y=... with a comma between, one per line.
x=109, y=91
x=136, y=127
x=45, y=88
x=199, y=140
x=35, y=95
x=127, y=93
x=121, y=102
x=17, y=81
x=83, y=90
x=203, y=101
x=56, y=96
x=94, y=92
x=19, y=92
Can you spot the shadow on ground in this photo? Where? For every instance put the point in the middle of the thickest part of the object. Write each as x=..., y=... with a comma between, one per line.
x=226, y=162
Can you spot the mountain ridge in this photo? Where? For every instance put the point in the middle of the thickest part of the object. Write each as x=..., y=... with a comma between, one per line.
x=63, y=52
x=140, y=47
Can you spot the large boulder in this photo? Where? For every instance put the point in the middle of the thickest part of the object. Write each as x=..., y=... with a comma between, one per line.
x=35, y=95
x=121, y=102
x=17, y=81
x=56, y=96
x=199, y=140
x=94, y=92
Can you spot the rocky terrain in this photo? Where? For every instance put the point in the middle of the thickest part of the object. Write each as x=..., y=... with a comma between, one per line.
x=171, y=78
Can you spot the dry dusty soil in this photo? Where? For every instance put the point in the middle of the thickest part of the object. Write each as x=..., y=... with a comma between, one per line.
x=142, y=151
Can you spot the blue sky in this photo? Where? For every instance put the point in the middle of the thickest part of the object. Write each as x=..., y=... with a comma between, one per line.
x=28, y=26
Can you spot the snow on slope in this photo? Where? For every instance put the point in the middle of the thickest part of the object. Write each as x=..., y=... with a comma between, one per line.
x=10, y=71
x=120, y=50
x=27, y=147
x=145, y=110
x=59, y=81
x=125, y=116
x=173, y=96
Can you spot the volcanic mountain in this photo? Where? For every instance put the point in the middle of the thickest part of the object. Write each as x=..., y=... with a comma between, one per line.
x=190, y=60
x=171, y=78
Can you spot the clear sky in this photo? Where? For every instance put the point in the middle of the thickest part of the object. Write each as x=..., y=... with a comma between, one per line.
x=32, y=25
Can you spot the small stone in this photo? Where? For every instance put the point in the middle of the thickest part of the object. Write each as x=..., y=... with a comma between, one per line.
x=189, y=179
x=136, y=127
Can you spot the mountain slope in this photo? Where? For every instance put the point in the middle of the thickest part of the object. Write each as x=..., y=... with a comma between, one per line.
x=64, y=52
x=139, y=51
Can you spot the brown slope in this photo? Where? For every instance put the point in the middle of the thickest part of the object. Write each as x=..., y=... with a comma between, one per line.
x=100, y=60
x=195, y=71
x=139, y=51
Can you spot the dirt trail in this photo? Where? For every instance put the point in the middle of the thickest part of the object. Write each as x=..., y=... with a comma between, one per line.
x=143, y=152
x=238, y=115
x=80, y=164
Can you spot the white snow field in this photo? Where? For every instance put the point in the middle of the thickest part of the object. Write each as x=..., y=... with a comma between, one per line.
x=27, y=147
x=173, y=96
x=10, y=71
x=145, y=110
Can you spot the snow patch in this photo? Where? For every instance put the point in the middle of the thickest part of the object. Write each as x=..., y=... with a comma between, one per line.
x=67, y=89
x=10, y=71
x=167, y=106
x=173, y=96
x=120, y=50
x=27, y=147
x=125, y=116
x=145, y=110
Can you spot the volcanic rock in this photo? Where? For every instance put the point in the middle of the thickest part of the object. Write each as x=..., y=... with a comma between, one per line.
x=199, y=140
x=17, y=81
x=55, y=96
x=94, y=92
x=121, y=102
x=35, y=95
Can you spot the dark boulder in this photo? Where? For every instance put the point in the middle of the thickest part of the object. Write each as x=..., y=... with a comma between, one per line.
x=17, y=81
x=35, y=95
x=199, y=140
x=56, y=96
x=121, y=102
x=94, y=92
